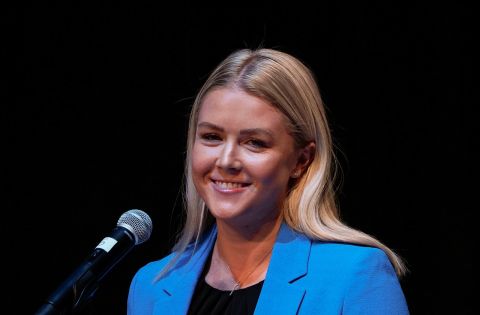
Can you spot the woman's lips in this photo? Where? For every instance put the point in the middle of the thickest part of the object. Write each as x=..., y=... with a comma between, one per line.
x=226, y=186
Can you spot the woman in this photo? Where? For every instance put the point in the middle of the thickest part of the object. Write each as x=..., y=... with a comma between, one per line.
x=262, y=232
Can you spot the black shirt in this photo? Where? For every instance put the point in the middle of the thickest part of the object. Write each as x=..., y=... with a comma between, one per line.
x=208, y=300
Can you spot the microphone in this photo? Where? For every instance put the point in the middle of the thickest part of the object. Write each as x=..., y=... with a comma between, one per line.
x=133, y=227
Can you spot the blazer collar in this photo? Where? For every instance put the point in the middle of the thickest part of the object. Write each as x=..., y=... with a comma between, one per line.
x=179, y=284
x=289, y=263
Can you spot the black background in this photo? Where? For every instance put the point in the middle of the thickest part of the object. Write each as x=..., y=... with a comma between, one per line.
x=95, y=108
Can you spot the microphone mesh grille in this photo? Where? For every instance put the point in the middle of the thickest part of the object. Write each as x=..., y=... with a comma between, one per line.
x=139, y=223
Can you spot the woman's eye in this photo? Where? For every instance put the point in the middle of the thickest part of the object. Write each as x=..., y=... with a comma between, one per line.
x=257, y=143
x=210, y=137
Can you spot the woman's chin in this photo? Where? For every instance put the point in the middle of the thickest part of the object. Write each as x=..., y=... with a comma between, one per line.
x=226, y=214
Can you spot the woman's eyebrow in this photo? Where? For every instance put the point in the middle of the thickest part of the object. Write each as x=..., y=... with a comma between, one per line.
x=253, y=131
x=243, y=132
x=205, y=124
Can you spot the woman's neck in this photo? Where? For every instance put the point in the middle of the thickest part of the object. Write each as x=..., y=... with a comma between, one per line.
x=245, y=238
x=246, y=250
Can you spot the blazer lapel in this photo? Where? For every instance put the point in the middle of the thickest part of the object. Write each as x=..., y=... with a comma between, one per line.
x=177, y=289
x=289, y=263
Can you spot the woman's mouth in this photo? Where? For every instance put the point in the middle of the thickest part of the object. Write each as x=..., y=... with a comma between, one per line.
x=229, y=186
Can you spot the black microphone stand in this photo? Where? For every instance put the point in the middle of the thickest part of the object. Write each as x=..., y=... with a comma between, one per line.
x=80, y=287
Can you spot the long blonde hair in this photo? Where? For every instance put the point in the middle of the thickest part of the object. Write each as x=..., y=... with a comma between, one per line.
x=290, y=86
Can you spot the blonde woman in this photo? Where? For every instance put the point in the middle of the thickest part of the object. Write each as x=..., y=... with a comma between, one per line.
x=262, y=233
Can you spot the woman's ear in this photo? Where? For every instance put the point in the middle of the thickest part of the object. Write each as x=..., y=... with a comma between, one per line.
x=304, y=158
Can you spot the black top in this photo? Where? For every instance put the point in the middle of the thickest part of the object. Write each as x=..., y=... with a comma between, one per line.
x=208, y=300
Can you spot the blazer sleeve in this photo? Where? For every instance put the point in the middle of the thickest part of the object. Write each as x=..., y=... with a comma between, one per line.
x=374, y=287
x=131, y=310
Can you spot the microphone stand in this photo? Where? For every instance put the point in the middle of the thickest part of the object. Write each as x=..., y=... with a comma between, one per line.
x=80, y=287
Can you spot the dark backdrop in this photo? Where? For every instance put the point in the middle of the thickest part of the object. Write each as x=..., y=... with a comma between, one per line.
x=95, y=108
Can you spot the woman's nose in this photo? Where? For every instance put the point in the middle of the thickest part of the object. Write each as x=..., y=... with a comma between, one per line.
x=228, y=159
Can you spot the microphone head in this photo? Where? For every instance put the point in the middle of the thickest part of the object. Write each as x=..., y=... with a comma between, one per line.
x=137, y=222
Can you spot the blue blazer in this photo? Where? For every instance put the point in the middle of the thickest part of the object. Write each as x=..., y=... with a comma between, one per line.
x=304, y=277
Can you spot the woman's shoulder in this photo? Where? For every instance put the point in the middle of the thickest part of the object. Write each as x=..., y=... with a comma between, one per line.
x=347, y=256
x=152, y=268
x=344, y=249
x=173, y=262
x=361, y=278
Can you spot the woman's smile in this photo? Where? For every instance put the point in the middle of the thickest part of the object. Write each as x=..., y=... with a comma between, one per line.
x=229, y=187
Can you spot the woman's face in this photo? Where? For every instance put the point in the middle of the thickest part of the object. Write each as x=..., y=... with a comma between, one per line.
x=243, y=157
